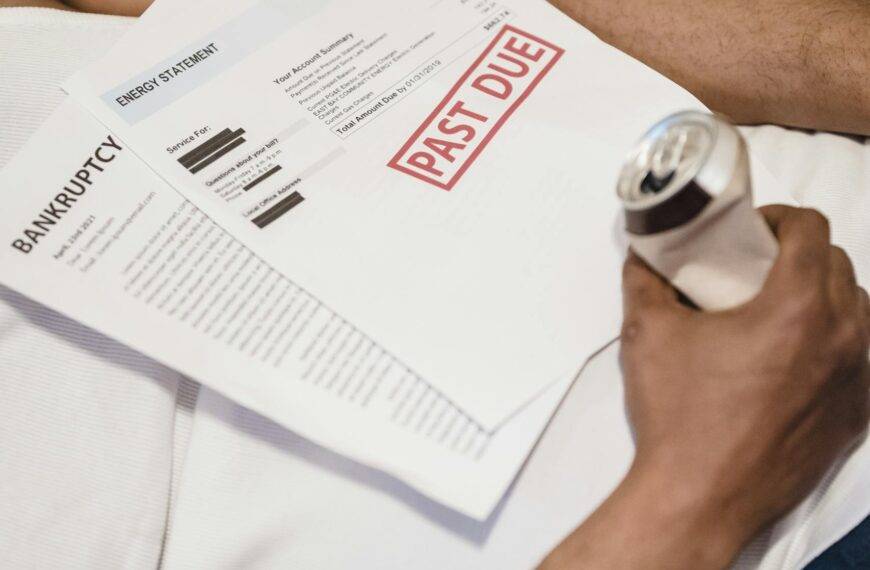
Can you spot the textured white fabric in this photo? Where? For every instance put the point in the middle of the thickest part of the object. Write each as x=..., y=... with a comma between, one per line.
x=86, y=424
x=39, y=48
x=828, y=172
x=256, y=496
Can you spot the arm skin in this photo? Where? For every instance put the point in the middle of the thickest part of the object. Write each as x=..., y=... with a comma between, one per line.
x=646, y=525
x=33, y=4
x=114, y=7
x=799, y=63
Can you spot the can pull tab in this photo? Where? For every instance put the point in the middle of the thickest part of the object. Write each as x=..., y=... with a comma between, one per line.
x=665, y=157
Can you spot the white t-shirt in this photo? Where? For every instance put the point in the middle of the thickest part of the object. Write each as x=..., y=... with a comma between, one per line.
x=86, y=424
x=94, y=435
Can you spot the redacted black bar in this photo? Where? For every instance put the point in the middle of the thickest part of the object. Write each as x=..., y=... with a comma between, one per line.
x=195, y=154
x=216, y=155
x=261, y=177
x=278, y=210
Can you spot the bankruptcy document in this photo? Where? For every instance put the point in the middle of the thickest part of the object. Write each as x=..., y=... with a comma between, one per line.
x=91, y=232
x=439, y=173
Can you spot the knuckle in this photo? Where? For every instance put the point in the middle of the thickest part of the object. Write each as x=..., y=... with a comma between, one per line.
x=809, y=261
x=841, y=264
x=806, y=309
x=813, y=220
x=839, y=254
x=801, y=321
x=630, y=330
x=645, y=323
x=634, y=330
x=851, y=338
x=641, y=336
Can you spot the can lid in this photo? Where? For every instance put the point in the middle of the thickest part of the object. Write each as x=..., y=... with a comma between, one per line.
x=668, y=156
x=659, y=185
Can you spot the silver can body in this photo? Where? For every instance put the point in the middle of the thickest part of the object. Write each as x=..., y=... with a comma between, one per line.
x=687, y=197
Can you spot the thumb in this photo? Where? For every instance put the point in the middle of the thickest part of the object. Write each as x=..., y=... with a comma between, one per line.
x=643, y=289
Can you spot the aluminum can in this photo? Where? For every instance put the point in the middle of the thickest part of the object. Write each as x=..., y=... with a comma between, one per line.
x=686, y=193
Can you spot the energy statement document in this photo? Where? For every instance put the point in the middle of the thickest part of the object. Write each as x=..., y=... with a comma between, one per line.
x=439, y=173
x=90, y=231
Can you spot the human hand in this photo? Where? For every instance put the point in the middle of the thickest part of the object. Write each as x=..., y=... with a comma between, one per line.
x=737, y=414
x=746, y=409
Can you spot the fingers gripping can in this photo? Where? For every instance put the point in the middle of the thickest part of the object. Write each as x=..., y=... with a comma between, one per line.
x=687, y=198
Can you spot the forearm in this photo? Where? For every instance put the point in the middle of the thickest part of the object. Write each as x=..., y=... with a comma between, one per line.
x=650, y=522
x=33, y=4
x=116, y=7
x=803, y=63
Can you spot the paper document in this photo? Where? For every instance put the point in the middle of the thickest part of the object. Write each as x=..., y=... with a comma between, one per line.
x=439, y=173
x=91, y=232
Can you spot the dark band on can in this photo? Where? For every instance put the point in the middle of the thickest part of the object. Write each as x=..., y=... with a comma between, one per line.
x=677, y=210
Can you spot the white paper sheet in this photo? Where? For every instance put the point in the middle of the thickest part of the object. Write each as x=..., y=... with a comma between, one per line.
x=491, y=290
x=110, y=245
